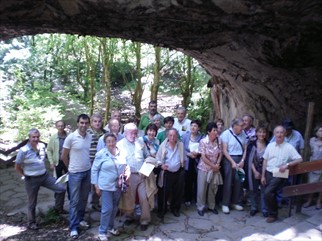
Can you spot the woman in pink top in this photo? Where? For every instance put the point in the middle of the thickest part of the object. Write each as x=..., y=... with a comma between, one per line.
x=209, y=176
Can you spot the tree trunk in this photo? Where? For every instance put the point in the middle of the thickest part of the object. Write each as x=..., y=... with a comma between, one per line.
x=106, y=60
x=187, y=83
x=156, y=80
x=138, y=92
x=90, y=76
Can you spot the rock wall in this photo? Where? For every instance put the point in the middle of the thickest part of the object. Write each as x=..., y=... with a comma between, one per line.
x=266, y=56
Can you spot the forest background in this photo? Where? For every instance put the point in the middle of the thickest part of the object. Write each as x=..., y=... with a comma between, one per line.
x=49, y=77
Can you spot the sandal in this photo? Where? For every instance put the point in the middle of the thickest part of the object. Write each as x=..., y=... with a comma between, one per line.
x=114, y=232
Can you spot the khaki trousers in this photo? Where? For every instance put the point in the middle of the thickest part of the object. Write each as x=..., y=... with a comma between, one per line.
x=136, y=187
x=202, y=187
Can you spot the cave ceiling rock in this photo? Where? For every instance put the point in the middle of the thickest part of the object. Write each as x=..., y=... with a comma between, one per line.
x=266, y=55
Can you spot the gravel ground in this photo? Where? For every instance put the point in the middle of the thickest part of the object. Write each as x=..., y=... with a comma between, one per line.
x=14, y=228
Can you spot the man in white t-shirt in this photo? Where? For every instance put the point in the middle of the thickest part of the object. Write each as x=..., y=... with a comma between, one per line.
x=181, y=123
x=278, y=155
x=76, y=157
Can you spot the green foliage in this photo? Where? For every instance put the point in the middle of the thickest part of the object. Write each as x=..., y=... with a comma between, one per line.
x=35, y=117
x=119, y=71
x=52, y=217
x=201, y=108
x=52, y=74
x=117, y=104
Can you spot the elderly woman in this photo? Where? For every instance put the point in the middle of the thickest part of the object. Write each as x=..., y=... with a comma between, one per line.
x=106, y=174
x=234, y=142
x=316, y=154
x=209, y=176
x=146, y=148
x=191, y=141
x=157, y=120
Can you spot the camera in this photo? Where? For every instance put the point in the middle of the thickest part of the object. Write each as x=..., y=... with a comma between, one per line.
x=123, y=183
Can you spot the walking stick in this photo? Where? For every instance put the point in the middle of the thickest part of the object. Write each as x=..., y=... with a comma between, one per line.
x=164, y=195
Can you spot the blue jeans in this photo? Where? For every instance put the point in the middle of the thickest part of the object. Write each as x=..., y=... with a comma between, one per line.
x=110, y=203
x=79, y=185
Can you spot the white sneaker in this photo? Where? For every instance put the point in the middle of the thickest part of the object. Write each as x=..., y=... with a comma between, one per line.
x=83, y=224
x=102, y=237
x=74, y=234
x=225, y=209
x=237, y=207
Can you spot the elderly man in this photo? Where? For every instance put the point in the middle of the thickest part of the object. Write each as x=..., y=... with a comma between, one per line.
x=136, y=181
x=181, y=123
x=146, y=119
x=116, y=114
x=171, y=159
x=96, y=131
x=54, y=150
x=249, y=129
x=278, y=155
x=30, y=164
x=292, y=136
x=114, y=127
x=77, y=159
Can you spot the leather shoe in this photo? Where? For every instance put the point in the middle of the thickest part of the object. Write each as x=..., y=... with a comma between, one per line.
x=200, y=212
x=252, y=212
x=144, y=227
x=176, y=213
x=214, y=211
x=271, y=219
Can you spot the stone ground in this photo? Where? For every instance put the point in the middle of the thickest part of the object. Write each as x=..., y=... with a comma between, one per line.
x=189, y=226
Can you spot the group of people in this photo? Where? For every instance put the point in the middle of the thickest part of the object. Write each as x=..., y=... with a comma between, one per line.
x=187, y=167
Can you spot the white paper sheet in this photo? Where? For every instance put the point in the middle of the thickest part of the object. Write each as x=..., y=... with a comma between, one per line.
x=146, y=169
x=62, y=179
x=277, y=173
x=194, y=147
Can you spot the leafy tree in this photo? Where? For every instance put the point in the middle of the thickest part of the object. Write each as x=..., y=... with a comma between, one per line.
x=109, y=48
x=138, y=88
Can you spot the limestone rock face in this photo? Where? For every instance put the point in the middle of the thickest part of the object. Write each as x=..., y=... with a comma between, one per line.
x=265, y=56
